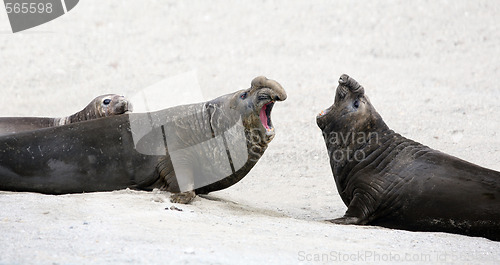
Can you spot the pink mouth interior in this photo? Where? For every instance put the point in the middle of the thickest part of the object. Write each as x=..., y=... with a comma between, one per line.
x=263, y=116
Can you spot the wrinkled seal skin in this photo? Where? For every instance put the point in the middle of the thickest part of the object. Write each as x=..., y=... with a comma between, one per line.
x=102, y=154
x=398, y=183
x=99, y=107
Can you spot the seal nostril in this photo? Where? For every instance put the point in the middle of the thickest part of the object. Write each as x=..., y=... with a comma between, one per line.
x=343, y=79
x=277, y=98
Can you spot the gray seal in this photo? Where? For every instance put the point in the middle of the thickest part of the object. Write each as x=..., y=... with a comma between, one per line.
x=388, y=180
x=187, y=150
x=101, y=106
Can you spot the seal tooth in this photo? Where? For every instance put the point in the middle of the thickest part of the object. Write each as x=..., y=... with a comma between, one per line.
x=270, y=131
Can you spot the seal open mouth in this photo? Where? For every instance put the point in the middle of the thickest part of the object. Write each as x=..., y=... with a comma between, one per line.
x=265, y=116
x=321, y=119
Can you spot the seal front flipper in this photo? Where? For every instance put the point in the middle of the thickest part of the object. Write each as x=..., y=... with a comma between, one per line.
x=358, y=213
x=183, y=197
x=167, y=176
x=345, y=220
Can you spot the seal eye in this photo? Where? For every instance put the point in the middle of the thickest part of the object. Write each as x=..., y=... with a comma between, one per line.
x=106, y=101
x=244, y=95
x=356, y=103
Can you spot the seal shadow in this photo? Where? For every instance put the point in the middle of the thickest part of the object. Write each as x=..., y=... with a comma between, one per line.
x=242, y=209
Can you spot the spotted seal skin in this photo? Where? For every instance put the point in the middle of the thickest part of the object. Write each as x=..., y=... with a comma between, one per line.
x=388, y=180
x=177, y=149
x=101, y=106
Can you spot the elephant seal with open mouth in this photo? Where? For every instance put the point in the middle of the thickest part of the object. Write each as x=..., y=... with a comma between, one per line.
x=388, y=180
x=100, y=107
x=189, y=149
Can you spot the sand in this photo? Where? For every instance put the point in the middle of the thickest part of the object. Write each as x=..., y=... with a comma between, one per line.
x=430, y=68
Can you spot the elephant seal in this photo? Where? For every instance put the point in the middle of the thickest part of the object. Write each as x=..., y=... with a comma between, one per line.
x=99, y=107
x=213, y=145
x=187, y=150
x=388, y=180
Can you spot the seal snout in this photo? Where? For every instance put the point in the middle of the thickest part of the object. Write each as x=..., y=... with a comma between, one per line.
x=343, y=79
x=351, y=84
x=121, y=105
x=127, y=106
x=277, y=93
x=321, y=119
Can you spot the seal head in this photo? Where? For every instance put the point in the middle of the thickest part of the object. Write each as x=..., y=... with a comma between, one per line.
x=100, y=107
x=351, y=116
x=256, y=104
x=111, y=104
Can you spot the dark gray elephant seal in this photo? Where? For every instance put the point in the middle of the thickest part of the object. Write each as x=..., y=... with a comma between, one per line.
x=99, y=107
x=390, y=181
x=222, y=137
x=190, y=149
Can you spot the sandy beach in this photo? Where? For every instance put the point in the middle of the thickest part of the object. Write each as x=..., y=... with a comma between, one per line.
x=430, y=68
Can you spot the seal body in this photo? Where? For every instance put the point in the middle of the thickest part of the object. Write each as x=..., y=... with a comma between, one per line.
x=388, y=180
x=99, y=107
x=189, y=149
x=98, y=155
